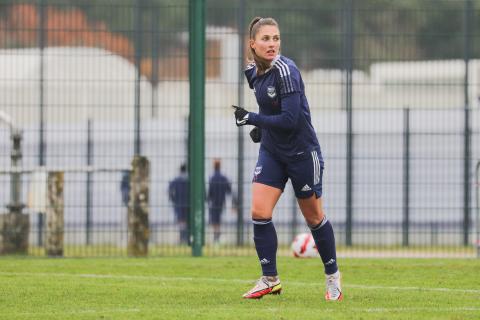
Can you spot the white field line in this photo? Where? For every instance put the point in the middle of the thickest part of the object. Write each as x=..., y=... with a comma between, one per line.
x=396, y=309
x=367, y=310
x=192, y=279
x=89, y=311
x=389, y=310
x=408, y=254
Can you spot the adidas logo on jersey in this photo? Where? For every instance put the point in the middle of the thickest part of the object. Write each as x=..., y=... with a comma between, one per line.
x=306, y=188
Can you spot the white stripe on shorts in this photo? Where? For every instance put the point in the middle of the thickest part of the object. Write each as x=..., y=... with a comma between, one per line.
x=316, y=168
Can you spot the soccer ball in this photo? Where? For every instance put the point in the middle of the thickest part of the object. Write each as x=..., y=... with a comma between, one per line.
x=303, y=246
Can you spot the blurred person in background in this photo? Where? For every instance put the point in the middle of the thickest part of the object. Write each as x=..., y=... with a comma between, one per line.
x=218, y=188
x=289, y=149
x=125, y=187
x=125, y=193
x=178, y=193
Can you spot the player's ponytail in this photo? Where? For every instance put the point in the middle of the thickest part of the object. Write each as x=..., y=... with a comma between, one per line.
x=255, y=24
x=252, y=23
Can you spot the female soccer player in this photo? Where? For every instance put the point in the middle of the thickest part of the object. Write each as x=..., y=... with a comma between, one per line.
x=289, y=149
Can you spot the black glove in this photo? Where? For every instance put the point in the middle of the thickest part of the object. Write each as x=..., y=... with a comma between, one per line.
x=241, y=116
x=256, y=134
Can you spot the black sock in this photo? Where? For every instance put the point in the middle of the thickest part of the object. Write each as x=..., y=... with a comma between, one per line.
x=325, y=242
x=265, y=238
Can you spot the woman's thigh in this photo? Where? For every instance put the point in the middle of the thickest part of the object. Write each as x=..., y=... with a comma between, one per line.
x=264, y=199
x=312, y=209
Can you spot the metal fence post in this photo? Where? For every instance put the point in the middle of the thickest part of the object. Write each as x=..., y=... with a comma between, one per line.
x=41, y=134
x=89, y=214
x=41, y=44
x=406, y=177
x=240, y=140
x=155, y=16
x=467, y=25
x=197, y=123
x=138, y=31
x=348, y=68
x=477, y=183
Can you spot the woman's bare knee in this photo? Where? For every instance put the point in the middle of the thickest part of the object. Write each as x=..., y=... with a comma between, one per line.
x=264, y=199
x=261, y=213
x=312, y=210
x=313, y=220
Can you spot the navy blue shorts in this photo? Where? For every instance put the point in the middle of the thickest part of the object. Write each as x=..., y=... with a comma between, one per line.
x=181, y=214
x=305, y=173
x=215, y=215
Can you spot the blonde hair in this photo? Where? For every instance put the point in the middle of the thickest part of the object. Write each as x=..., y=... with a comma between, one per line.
x=255, y=25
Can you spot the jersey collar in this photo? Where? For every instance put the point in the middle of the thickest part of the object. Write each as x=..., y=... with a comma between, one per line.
x=274, y=61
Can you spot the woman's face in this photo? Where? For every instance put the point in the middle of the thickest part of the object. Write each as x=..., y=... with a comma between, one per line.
x=267, y=42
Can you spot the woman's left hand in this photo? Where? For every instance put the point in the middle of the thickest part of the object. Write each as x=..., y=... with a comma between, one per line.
x=241, y=116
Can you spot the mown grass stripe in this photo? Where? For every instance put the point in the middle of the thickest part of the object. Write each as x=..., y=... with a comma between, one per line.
x=175, y=278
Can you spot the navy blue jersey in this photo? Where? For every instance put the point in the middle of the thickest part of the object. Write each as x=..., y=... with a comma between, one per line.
x=219, y=187
x=284, y=114
x=178, y=192
x=125, y=187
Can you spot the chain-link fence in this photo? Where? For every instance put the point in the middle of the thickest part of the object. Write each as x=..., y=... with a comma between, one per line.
x=393, y=89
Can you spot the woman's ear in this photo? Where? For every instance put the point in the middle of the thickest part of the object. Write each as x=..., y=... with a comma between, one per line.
x=252, y=43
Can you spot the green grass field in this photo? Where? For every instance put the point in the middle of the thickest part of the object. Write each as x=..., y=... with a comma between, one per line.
x=211, y=288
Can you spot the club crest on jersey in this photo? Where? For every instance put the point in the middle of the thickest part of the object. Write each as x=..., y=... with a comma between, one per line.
x=271, y=92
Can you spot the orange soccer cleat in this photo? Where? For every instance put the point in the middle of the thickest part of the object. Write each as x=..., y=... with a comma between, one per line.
x=334, y=289
x=265, y=285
